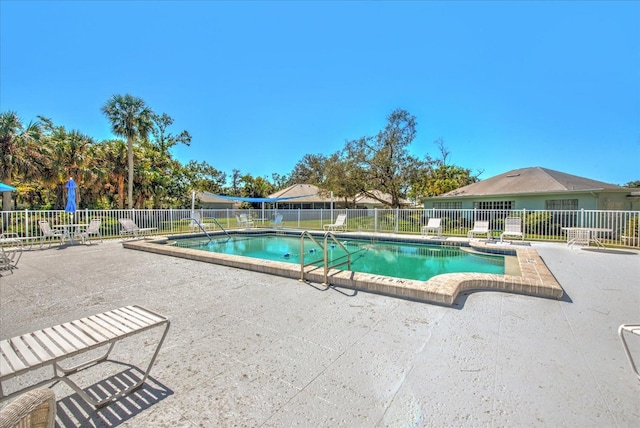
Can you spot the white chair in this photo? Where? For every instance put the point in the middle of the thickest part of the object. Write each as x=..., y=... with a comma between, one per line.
x=48, y=233
x=197, y=223
x=480, y=227
x=129, y=228
x=244, y=221
x=92, y=229
x=512, y=227
x=433, y=225
x=277, y=222
x=340, y=223
x=9, y=258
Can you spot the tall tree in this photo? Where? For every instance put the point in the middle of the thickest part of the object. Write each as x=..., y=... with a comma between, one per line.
x=132, y=119
x=18, y=150
x=385, y=158
x=309, y=170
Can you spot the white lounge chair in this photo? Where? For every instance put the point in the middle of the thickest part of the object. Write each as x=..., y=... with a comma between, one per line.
x=48, y=233
x=33, y=409
x=480, y=227
x=340, y=223
x=629, y=329
x=244, y=221
x=9, y=258
x=129, y=228
x=48, y=351
x=197, y=223
x=433, y=225
x=277, y=222
x=92, y=229
x=512, y=227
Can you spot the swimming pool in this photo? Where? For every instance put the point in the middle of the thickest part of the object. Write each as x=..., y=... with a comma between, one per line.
x=393, y=259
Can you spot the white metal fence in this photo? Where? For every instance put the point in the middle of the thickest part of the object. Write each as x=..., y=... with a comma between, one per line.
x=622, y=226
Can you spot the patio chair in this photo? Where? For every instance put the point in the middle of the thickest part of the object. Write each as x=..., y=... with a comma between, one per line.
x=129, y=228
x=197, y=223
x=512, y=227
x=277, y=222
x=433, y=225
x=244, y=221
x=33, y=409
x=48, y=233
x=632, y=329
x=340, y=223
x=92, y=229
x=480, y=227
x=9, y=258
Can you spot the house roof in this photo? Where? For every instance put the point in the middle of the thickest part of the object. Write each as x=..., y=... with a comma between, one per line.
x=362, y=198
x=531, y=180
x=302, y=192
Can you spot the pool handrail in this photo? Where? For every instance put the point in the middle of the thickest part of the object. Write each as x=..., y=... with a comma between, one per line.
x=331, y=235
x=195, y=221
x=302, y=263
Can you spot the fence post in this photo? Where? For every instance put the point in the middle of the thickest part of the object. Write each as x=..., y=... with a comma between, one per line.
x=26, y=223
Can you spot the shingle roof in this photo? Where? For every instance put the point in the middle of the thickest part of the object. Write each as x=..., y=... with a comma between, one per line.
x=308, y=190
x=531, y=180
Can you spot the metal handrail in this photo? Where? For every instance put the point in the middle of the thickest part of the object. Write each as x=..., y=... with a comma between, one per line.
x=203, y=229
x=302, y=264
x=328, y=235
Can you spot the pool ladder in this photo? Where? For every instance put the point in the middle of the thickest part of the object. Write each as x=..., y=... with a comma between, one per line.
x=327, y=236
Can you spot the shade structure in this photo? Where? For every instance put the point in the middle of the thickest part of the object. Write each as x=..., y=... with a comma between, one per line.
x=6, y=188
x=71, y=196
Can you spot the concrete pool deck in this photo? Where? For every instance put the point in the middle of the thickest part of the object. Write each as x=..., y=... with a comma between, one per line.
x=251, y=349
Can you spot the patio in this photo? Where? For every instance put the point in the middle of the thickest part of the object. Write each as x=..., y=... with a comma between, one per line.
x=249, y=349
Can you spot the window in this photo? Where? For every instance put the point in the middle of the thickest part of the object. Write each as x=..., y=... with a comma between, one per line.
x=494, y=205
x=561, y=204
x=451, y=205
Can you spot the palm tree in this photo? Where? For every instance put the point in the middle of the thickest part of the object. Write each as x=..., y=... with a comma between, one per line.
x=17, y=149
x=130, y=118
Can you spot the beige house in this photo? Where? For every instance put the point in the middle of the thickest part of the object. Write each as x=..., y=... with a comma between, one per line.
x=309, y=196
x=538, y=188
x=210, y=201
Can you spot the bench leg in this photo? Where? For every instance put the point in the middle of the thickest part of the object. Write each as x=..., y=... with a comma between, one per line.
x=84, y=365
x=113, y=397
x=621, y=331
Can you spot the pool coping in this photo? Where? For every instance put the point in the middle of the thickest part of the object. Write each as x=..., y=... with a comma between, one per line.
x=535, y=278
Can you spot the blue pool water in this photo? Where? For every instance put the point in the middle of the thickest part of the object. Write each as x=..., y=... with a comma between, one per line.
x=395, y=259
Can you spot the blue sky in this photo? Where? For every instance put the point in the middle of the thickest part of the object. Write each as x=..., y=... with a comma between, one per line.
x=260, y=84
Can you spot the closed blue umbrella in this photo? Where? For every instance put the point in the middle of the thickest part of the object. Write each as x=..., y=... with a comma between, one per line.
x=71, y=196
x=6, y=188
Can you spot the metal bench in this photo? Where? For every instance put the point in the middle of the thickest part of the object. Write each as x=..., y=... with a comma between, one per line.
x=633, y=329
x=51, y=346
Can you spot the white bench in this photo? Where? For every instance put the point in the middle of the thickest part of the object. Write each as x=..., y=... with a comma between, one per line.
x=633, y=329
x=51, y=346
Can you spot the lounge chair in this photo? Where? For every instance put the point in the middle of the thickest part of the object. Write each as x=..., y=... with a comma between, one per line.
x=52, y=347
x=48, y=233
x=92, y=229
x=33, y=409
x=129, y=228
x=277, y=222
x=480, y=227
x=244, y=221
x=9, y=258
x=433, y=225
x=632, y=329
x=340, y=223
x=512, y=227
x=197, y=223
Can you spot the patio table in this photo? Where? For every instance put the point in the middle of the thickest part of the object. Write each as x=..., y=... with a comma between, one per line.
x=584, y=235
x=70, y=230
